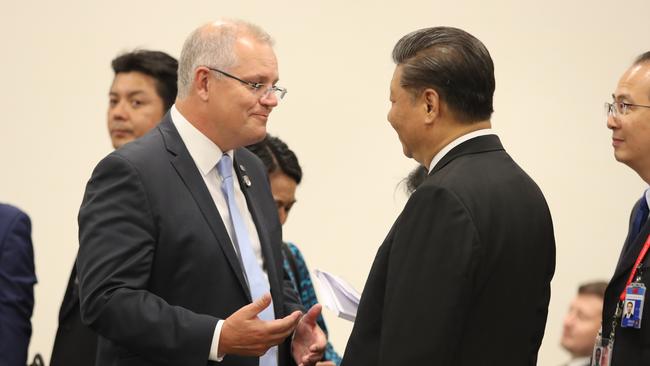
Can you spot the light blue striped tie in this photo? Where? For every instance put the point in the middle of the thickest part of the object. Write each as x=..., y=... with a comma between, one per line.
x=257, y=281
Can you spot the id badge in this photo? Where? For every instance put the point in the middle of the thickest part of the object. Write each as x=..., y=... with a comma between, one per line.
x=602, y=354
x=633, y=305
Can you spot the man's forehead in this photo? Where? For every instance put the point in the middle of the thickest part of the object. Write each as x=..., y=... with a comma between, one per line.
x=635, y=80
x=588, y=299
x=253, y=54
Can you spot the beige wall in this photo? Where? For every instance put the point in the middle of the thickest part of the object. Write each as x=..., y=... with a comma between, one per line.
x=556, y=63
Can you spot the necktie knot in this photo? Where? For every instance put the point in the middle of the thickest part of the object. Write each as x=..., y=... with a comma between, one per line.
x=225, y=167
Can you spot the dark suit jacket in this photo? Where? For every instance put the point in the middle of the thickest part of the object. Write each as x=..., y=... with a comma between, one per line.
x=631, y=346
x=463, y=277
x=17, y=279
x=75, y=343
x=156, y=266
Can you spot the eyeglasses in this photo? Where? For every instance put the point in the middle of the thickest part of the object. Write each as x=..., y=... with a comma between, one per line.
x=620, y=108
x=258, y=88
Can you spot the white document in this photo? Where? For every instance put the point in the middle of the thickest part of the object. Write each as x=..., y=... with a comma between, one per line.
x=337, y=295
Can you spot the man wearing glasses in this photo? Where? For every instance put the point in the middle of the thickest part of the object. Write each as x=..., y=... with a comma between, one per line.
x=179, y=260
x=628, y=116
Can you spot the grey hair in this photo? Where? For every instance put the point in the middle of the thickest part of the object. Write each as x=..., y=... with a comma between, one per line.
x=212, y=45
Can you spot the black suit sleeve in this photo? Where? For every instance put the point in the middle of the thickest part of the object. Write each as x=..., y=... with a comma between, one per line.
x=17, y=279
x=117, y=236
x=428, y=280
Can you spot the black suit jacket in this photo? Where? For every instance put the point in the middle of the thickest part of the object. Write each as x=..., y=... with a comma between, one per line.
x=631, y=346
x=463, y=277
x=75, y=343
x=17, y=279
x=156, y=266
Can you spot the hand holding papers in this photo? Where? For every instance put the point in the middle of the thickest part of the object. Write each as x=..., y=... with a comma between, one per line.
x=337, y=295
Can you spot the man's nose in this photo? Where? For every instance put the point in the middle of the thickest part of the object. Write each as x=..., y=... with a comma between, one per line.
x=269, y=99
x=612, y=121
x=118, y=111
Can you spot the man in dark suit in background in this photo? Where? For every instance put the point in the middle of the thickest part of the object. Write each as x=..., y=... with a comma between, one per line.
x=628, y=116
x=179, y=234
x=463, y=277
x=17, y=279
x=143, y=90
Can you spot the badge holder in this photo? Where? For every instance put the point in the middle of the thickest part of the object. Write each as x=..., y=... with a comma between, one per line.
x=633, y=305
x=629, y=311
x=602, y=354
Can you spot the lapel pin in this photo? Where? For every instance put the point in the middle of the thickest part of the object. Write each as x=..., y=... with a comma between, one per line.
x=247, y=181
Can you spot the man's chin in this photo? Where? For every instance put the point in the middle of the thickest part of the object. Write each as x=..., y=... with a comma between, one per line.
x=257, y=137
x=407, y=152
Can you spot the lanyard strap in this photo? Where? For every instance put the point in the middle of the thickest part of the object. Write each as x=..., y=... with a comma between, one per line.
x=639, y=259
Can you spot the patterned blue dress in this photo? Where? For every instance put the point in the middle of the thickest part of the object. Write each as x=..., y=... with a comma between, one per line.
x=299, y=274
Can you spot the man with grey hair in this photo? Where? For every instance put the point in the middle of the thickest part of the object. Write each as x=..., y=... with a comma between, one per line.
x=179, y=260
x=628, y=116
x=463, y=277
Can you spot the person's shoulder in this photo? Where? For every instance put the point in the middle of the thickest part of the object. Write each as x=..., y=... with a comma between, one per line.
x=7, y=210
x=148, y=145
x=13, y=219
x=433, y=188
x=294, y=249
x=10, y=214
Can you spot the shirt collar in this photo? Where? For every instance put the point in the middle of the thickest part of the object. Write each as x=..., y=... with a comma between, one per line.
x=205, y=153
x=441, y=154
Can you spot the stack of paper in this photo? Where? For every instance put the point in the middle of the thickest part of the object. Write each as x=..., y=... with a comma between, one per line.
x=337, y=295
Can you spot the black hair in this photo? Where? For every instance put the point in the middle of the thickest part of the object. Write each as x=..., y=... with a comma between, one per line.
x=644, y=57
x=415, y=178
x=160, y=66
x=276, y=155
x=453, y=63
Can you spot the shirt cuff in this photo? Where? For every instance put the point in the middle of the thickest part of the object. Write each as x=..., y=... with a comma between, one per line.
x=214, y=347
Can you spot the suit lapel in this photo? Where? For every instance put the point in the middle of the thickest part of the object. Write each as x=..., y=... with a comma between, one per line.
x=473, y=146
x=250, y=187
x=631, y=251
x=189, y=174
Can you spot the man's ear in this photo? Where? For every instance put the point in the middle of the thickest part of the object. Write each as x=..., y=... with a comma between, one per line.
x=431, y=100
x=201, y=82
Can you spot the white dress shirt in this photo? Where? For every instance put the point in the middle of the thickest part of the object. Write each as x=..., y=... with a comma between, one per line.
x=445, y=150
x=581, y=361
x=206, y=154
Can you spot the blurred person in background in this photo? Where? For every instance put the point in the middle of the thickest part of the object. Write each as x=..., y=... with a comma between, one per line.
x=582, y=321
x=285, y=174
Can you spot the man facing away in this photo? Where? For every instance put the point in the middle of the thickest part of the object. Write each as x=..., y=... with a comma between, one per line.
x=582, y=321
x=628, y=116
x=179, y=260
x=463, y=276
x=143, y=90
